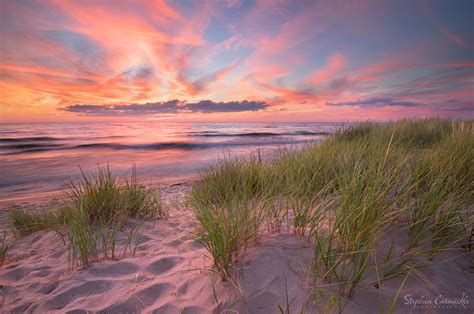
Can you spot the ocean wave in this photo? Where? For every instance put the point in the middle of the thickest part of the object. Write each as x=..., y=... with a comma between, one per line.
x=257, y=134
x=312, y=133
x=153, y=146
x=52, y=139
x=27, y=148
x=28, y=139
x=30, y=146
x=34, y=148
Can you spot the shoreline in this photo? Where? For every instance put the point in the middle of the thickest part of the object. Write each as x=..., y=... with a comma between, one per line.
x=180, y=262
x=43, y=198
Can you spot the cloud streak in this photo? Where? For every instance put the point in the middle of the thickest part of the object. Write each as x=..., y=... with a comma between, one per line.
x=377, y=102
x=314, y=59
x=168, y=107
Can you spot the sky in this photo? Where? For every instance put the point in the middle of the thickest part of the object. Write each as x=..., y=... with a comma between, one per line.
x=236, y=60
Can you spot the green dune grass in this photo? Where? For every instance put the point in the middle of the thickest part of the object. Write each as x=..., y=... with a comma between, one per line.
x=344, y=194
x=363, y=187
x=91, y=214
x=4, y=247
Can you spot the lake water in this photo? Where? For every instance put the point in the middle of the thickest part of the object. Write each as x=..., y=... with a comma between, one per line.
x=39, y=158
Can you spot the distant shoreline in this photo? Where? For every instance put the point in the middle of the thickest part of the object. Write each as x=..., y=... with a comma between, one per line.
x=43, y=198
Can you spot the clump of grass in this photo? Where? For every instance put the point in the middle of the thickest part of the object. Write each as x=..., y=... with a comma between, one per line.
x=97, y=195
x=423, y=177
x=362, y=192
x=413, y=134
x=226, y=230
x=88, y=240
x=4, y=247
x=228, y=209
x=98, y=206
x=142, y=201
x=442, y=191
x=92, y=214
x=24, y=222
x=105, y=196
x=232, y=178
x=412, y=175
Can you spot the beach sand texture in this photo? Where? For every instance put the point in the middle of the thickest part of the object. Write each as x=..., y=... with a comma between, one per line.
x=172, y=274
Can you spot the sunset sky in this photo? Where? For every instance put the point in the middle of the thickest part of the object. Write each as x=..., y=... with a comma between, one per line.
x=236, y=60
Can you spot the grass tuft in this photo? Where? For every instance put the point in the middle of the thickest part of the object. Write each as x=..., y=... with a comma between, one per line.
x=24, y=222
x=229, y=208
x=4, y=247
x=93, y=214
x=98, y=207
x=344, y=194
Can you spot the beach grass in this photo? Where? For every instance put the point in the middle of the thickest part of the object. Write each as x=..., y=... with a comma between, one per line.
x=344, y=194
x=4, y=247
x=23, y=222
x=92, y=213
x=230, y=209
x=98, y=207
x=142, y=201
x=105, y=196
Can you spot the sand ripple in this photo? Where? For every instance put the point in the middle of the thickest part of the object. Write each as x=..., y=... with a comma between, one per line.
x=170, y=274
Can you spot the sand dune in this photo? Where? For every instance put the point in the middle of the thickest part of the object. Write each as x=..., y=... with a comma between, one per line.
x=171, y=274
x=166, y=276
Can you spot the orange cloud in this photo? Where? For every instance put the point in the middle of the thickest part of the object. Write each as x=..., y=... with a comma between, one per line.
x=62, y=53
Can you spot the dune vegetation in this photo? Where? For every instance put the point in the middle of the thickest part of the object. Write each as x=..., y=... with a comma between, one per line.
x=375, y=201
x=4, y=246
x=91, y=214
x=358, y=190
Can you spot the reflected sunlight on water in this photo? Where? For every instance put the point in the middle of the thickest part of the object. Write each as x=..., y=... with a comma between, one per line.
x=38, y=158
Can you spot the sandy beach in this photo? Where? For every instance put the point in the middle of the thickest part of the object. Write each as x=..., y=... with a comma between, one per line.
x=171, y=273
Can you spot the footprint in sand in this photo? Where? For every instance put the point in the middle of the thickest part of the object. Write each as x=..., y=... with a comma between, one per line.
x=140, y=300
x=183, y=288
x=78, y=311
x=166, y=309
x=15, y=274
x=41, y=273
x=49, y=288
x=196, y=245
x=163, y=265
x=21, y=308
x=192, y=310
x=174, y=243
x=186, y=225
x=86, y=289
x=120, y=268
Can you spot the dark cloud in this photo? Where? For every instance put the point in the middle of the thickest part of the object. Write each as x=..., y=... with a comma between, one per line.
x=125, y=110
x=455, y=105
x=377, y=102
x=172, y=106
x=231, y=106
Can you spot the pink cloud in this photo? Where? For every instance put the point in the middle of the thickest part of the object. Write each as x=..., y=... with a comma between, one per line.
x=335, y=64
